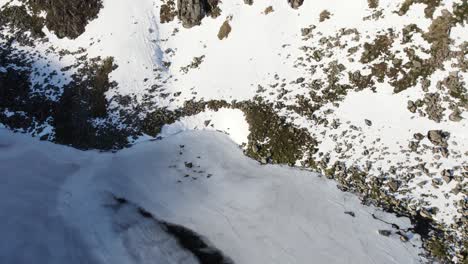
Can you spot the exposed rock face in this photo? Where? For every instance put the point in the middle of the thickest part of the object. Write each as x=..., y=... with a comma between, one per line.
x=295, y=3
x=191, y=12
x=67, y=18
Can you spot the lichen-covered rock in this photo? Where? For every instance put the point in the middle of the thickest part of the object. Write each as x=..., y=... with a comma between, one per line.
x=438, y=137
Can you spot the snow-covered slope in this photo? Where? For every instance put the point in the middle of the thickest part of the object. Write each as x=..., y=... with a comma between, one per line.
x=57, y=206
x=370, y=93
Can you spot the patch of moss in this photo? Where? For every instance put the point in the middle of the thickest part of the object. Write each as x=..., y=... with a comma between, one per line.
x=271, y=138
x=303, y=106
x=460, y=12
x=67, y=18
x=334, y=90
x=361, y=81
x=380, y=46
x=411, y=72
x=408, y=32
x=438, y=249
x=431, y=6
x=456, y=88
x=19, y=18
x=82, y=102
x=26, y=111
x=439, y=37
x=154, y=121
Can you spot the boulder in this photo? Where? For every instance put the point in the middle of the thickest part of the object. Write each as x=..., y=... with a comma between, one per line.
x=438, y=137
x=295, y=3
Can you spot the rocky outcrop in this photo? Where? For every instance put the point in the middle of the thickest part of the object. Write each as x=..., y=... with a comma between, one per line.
x=295, y=3
x=191, y=12
x=67, y=18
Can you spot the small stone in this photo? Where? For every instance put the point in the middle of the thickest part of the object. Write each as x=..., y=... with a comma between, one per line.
x=455, y=116
x=413, y=146
x=350, y=213
x=411, y=106
x=255, y=148
x=422, y=183
x=385, y=232
x=447, y=179
x=444, y=152
x=447, y=173
x=403, y=238
x=418, y=136
x=393, y=185
x=436, y=182
x=306, y=31
x=300, y=80
x=457, y=189
x=368, y=122
x=268, y=10
x=425, y=213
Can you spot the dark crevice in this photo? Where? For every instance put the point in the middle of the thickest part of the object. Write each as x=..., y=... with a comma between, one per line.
x=193, y=242
x=199, y=246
